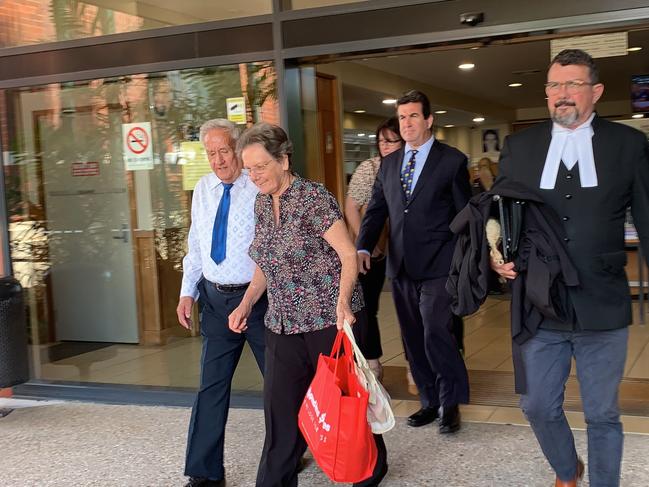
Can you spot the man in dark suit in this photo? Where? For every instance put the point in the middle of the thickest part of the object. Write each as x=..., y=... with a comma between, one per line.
x=421, y=187
x=589, y=171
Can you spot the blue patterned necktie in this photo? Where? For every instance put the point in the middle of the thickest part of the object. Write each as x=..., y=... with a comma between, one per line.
x=220, y=229
x=407, y=174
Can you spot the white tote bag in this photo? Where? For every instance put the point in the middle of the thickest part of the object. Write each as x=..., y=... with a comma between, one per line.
x=379, y=412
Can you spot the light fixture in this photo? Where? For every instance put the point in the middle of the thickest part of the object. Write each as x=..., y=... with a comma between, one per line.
x=372, y=136
x=359, y=111
x=638, y=115
x=478, y=119
x=440, y=112
x=515, y=85
x=360, y=135
x=449, y=126
x=634, y=49
x=466, y=66
x=389, y=101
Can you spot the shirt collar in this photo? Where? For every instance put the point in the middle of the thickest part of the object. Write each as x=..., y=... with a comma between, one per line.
x=425, y=147
x=240, y=182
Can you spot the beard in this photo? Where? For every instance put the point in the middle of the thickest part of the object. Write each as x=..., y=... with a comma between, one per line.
x=565, y=119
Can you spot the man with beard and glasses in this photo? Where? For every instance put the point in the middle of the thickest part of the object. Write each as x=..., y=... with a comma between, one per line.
x=589, y=171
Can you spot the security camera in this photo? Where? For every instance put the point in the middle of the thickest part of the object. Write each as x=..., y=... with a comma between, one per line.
x=472, y=18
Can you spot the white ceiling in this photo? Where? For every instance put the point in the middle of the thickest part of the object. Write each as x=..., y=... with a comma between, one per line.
x=496, y=67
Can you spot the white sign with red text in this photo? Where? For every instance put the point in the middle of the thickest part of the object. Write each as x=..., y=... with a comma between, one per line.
x=136, y=141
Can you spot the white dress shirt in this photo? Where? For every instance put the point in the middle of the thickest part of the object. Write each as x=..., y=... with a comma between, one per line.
x=420, y=158
x=572, y=147
x=238, y=267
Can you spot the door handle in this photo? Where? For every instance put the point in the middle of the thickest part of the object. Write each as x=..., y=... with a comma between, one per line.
x=123, y=234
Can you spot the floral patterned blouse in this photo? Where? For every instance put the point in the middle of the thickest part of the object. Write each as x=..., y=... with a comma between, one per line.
x=302, y=270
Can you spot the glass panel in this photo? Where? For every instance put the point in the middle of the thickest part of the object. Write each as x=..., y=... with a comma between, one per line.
x=99, y=177
x=37, y=21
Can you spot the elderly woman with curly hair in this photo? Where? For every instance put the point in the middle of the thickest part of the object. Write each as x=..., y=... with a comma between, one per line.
x=306, y=263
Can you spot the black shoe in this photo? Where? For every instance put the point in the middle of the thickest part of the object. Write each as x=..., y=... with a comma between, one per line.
x=450, y=420
x=203, y=482
x=424, y=416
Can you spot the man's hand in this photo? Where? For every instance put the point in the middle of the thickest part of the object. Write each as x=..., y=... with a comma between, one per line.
x=238, y=319
x=505, y=270
x=184, y=311
x=363, y=262
x=344, y=313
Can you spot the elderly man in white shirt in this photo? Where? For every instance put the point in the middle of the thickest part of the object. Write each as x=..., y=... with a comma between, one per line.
x=216, y=272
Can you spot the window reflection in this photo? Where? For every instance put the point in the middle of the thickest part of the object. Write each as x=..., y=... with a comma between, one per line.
x=98, y=247
x=41, y=21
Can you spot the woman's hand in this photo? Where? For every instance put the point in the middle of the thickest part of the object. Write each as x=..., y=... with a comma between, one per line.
x=238, y=319
x=344, y=313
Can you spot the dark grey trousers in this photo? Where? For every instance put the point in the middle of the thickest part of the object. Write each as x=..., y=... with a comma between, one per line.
x=221, y=352
x=600, y=358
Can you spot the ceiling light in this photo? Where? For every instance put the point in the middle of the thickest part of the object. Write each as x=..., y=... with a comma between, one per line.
x=638, y=115
x=372, y=136
x=634, y=49
x=440, y=112
x=359, y=111
x=360, y=135
x=389, y=101
x=475, y=47
x=478, y=119
x=466, y=66
x=515, y=85
x=450, y=125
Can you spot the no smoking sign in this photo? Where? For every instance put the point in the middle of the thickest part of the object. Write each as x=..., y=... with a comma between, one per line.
x=136, y=142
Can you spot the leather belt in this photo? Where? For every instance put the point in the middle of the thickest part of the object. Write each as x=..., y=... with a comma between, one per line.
x=230, y=288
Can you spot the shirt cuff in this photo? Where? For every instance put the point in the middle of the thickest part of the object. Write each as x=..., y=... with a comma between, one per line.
x=363, y=251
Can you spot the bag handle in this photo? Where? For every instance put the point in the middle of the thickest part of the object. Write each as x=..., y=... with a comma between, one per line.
x=342, y=340
x=358, y=355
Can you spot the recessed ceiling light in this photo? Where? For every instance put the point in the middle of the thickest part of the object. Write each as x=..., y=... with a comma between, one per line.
x=478, y=119
x=638, y=115
x=634, y=49
x=466, y=66
x=372, y=136
x=450, y=125
x=515, y=85
x=359, y=111
x=440, y=112
x=389, y=101
x=360, y=135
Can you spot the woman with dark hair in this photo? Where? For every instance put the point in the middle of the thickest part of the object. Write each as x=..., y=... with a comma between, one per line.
x=359, y=192
x=490, y=141
x=306, y=263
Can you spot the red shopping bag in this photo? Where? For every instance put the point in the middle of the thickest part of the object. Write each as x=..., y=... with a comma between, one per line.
x=333, y=418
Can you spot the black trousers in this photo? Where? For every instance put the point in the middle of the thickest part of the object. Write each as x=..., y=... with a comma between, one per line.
x=291, y=361
x=221, y=352
x=372, y=284
x=426, y=321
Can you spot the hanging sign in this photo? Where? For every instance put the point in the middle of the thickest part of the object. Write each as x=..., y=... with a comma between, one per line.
x=598, y=45
x=194, y=162
x=136, y=142
x=236, y=108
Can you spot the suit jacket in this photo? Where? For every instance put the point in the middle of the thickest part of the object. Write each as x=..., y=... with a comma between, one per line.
x=420, y=239
x=592, y=218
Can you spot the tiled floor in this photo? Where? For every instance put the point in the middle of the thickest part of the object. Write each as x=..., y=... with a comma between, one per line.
x=487, y=348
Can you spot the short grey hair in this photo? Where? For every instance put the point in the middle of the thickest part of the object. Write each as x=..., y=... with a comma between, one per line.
x=220, y=124
x=270, y=137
